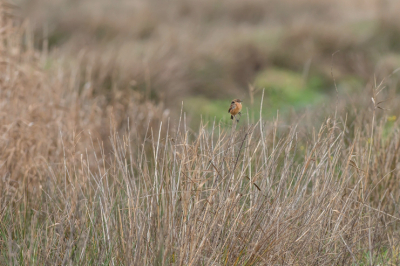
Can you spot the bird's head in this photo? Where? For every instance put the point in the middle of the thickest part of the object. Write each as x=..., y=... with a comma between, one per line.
x=236, y=101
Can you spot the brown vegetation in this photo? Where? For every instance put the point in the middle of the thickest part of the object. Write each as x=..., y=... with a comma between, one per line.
x=93, y=173
x=216, y=48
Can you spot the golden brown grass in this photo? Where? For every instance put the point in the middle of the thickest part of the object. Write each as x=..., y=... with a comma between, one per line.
x=80, y=185
x=38, y=106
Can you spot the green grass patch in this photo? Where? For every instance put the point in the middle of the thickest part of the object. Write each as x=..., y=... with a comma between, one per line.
x=284, y=90
x=288, y=89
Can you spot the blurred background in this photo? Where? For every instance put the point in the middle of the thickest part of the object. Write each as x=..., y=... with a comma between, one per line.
x=208, y=52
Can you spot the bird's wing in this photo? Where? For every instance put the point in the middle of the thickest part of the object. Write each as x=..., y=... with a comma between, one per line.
x=233, y=106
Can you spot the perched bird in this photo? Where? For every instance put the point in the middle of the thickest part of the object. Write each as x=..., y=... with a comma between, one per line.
x=235, y=108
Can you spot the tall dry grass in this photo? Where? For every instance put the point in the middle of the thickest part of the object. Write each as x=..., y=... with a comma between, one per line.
x=261, y=194
x=154, y=192
x=38, y=106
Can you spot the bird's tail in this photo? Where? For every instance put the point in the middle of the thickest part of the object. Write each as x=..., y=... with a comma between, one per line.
x=232, y=117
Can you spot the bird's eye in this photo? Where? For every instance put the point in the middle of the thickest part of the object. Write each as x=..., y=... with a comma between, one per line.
x=233, y=102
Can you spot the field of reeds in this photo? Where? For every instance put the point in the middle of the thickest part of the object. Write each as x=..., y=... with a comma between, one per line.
x=97, y=168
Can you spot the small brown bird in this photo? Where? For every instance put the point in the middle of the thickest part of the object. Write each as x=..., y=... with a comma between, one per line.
x=235, y=108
